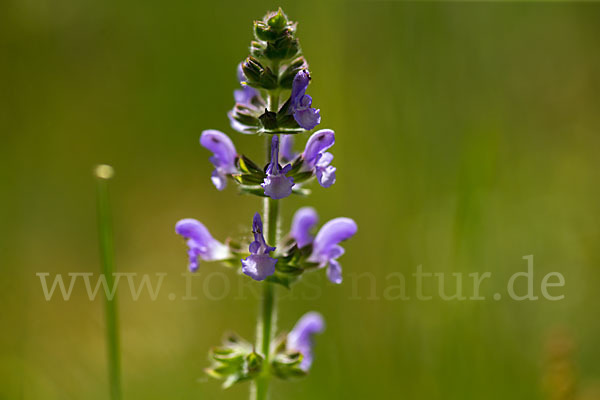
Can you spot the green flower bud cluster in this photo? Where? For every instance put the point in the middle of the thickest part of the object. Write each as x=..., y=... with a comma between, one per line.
x=275, y=38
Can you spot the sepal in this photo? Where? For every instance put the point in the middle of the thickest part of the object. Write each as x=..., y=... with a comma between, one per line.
x=277, y=20
x=283, y=48
x=248, y=179
x=257, y=49
x=245, y=118
x=291, y=264
x=251, y=174
x=259, y=76
x=302, y=176
x=296, y=165
x=279, y=122
x=248, y=166
x=235, y=361
x=287, y=365
x=287, y=76
x=269, y=120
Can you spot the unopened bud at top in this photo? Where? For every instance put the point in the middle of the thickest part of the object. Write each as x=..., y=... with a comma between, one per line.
x=275, y=36
x=278, y=20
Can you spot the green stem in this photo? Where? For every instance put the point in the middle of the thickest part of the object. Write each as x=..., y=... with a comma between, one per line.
x=268, y=310
x=103, y=174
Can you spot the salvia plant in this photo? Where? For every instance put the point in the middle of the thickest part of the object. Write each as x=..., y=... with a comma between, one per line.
x=272, y=102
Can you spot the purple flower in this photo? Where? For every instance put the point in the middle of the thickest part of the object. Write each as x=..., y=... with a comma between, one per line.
x=200, y=242
x=276, y=184
x=316, y=159
x=300, y=102
x=301, y=337
x=246, y=94
x=259, y=265
x=326, y=249
x=304, y=220
x=287, y=148
x=223, y=158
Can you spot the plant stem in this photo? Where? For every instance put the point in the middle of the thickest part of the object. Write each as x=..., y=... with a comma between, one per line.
x=268, y=310
x=103, y=174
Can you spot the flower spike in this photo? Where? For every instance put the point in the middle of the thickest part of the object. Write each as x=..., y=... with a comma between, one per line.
x=272, y=99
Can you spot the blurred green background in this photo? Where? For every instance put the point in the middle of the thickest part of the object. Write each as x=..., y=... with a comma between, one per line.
x=467, y=137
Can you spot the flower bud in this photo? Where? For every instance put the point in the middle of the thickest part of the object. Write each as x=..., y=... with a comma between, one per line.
x=283, y=48
x=288, y=365
x=262, y=31
x=256, y=49
x=277, y=21
x=257, y=75
x=253, y=364
x=287, y=121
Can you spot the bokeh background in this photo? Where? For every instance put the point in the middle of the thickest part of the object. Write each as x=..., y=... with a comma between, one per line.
x=467, y=137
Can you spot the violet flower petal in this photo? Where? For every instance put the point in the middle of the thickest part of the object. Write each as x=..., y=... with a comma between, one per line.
x=278, y=186
x=332, y=233
x=200, y=243
x=259, y=266
x=245, y=95
x=326, y=176
x=334, y=272
x=224, y=152
x=318, y=142
x=299, y=86
x=304, y=220
x=308, y=118
x=191, y=228
x=218, y=179
x=287, y=148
